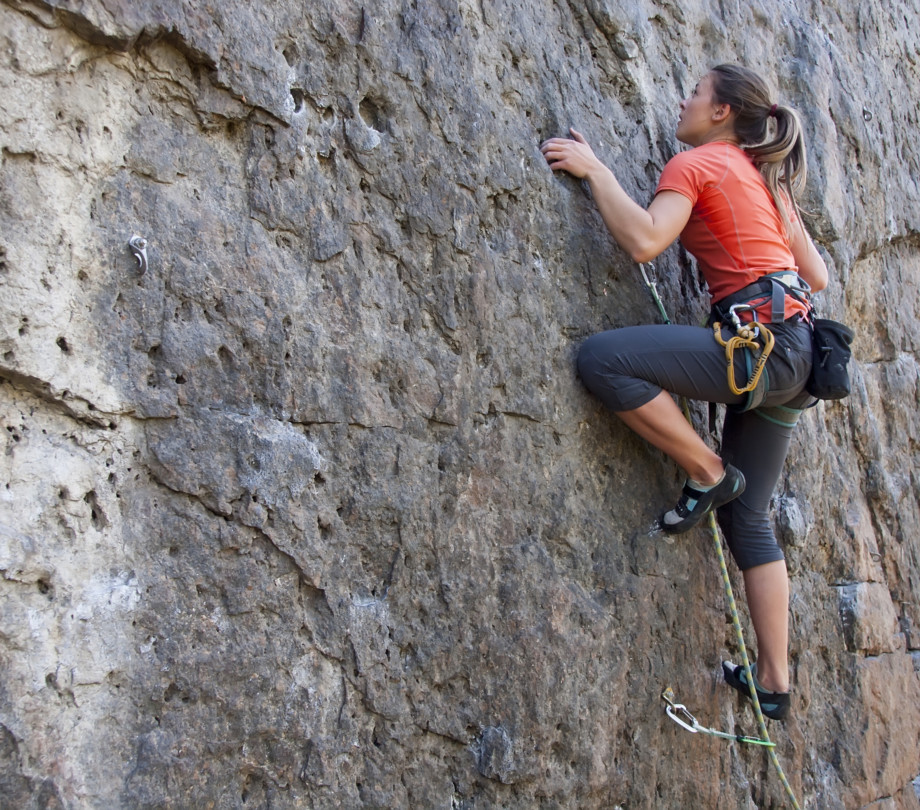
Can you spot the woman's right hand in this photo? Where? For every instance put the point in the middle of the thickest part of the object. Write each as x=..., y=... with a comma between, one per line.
x=641, y=233
x=572, y=155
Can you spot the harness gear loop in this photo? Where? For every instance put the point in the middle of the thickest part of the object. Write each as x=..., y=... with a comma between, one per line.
x=745, y=337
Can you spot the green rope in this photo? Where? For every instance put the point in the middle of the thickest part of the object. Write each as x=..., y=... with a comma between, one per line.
x=736, y=621
x=730, y=596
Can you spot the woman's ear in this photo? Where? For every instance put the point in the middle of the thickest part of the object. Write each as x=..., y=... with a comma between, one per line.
x=721, y=113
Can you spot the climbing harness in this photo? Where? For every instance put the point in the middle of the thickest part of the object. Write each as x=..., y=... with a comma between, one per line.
x=681, y=715
x=829, y=378
x=769, y=290
x=677, y=711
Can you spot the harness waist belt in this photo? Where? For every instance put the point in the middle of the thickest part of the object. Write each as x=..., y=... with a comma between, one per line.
x=773, y=287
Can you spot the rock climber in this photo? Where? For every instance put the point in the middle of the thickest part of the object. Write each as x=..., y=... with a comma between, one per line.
x=731, y=198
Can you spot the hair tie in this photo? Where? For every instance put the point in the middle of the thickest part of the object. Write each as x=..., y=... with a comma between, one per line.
x=772, y=112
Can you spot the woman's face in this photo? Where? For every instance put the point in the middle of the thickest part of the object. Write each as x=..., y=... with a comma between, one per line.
x=696, y=122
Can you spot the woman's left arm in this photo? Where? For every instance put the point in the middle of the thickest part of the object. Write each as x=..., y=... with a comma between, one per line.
x=809, y=262
x=643, y=233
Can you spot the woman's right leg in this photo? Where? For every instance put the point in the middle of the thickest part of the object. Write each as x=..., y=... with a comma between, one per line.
x=632, y=370
x=661, y=423
x=766, y=588
x=756, y=442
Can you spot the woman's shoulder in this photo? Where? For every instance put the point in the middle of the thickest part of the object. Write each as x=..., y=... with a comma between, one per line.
x=699, y=157
x=710, y=163
x=695, y=166
x=718, y=152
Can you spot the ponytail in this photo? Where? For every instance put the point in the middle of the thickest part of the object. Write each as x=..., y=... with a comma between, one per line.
x=781, y=158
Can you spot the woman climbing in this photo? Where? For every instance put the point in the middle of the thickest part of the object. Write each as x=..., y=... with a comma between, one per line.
x=731, y=200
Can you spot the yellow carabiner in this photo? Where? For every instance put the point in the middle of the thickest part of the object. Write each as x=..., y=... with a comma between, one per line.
x=747, y=339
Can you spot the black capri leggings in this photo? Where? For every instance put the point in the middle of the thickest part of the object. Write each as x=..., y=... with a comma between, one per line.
x=629, y=367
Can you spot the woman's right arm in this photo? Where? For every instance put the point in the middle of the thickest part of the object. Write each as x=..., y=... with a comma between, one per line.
x=643, y=233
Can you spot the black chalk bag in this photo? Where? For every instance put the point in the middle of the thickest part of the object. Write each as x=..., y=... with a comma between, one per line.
x=830, y=378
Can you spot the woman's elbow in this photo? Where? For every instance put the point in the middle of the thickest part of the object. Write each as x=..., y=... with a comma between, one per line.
x=819, y=284
x=642, y=253
x=816, y=275
x=810, y=264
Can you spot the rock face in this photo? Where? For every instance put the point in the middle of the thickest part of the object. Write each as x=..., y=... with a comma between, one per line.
x=311, y=510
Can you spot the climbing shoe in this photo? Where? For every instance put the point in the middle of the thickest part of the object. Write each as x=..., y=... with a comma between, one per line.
x=695, y=501
x=774, y=705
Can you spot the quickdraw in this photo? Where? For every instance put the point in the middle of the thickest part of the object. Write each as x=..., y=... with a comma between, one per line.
x=745, y=337
x=681, y=715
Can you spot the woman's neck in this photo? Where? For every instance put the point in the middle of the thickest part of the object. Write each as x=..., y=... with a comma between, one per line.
x=720, y=137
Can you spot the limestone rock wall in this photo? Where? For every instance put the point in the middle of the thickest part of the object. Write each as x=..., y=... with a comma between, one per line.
x=312, y=511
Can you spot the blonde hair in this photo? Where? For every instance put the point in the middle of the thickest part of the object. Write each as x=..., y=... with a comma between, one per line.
x=780, y=159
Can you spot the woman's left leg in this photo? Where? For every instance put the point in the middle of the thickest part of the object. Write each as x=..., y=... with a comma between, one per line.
x=767, y=589
x=756, y=442
x=632, y=370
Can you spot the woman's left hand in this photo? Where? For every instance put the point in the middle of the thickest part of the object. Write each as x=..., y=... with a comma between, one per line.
x=573, y=156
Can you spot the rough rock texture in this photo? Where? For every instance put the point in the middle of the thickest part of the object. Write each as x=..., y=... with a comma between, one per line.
x=312, y=511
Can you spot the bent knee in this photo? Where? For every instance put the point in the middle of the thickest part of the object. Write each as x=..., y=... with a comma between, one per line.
x=588, y=361
x=602, y=369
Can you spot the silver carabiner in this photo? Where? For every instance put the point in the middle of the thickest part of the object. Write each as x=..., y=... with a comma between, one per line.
x=675, y=710
x=733, y=314
x=679, y=708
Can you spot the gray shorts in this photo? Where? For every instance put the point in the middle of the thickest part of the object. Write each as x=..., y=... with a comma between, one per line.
x=629, y=367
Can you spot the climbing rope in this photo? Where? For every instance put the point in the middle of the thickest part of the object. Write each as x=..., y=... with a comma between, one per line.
x=745, y=661
x=654, y=290
x=675, y=710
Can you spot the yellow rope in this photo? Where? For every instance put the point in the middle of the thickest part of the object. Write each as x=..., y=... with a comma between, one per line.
x=736, y=621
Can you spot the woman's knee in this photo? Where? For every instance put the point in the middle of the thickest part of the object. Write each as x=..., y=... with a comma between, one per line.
x=603, y=366
x=592, y=363
x=588, y=361
x=749, y=536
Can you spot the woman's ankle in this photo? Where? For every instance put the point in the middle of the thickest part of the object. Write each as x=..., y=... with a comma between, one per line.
x=770, y=680
x=707, y=474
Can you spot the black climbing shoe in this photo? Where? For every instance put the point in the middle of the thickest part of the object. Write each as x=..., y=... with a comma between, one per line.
x=694, y=503
x=774, y=705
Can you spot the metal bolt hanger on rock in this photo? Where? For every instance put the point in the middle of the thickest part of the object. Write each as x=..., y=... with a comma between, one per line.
x=138, y=246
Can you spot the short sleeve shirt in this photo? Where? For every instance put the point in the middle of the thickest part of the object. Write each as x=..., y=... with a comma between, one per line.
x=735, y=230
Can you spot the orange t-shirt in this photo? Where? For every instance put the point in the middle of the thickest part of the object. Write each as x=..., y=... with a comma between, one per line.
x=735, y=231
